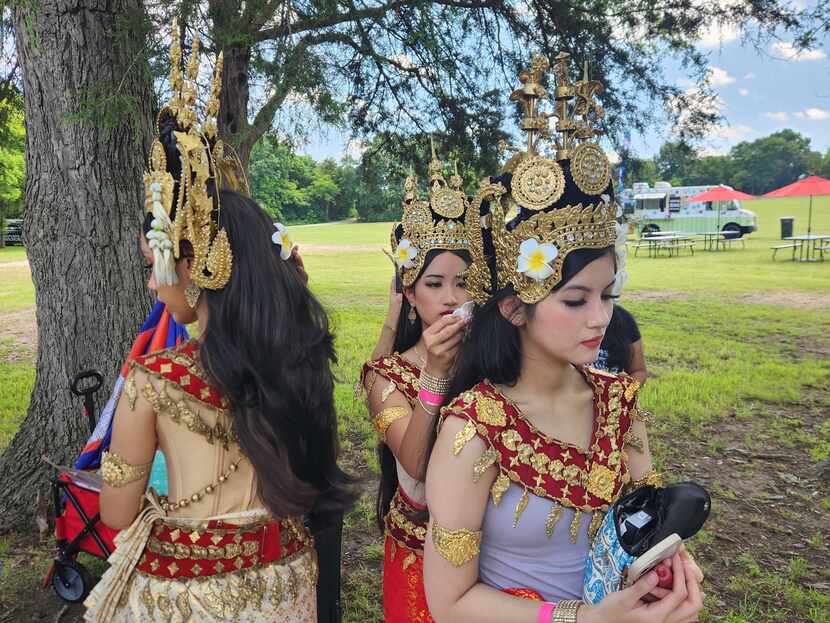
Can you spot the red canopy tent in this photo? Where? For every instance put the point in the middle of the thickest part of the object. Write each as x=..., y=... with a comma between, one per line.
x=720, y=193
x=805, y=187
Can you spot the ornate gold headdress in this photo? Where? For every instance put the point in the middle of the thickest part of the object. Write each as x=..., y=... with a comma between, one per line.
x=205, y=162
x=439, y=223
x=548, y=207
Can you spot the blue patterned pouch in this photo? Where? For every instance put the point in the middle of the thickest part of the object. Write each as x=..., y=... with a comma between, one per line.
x=606, y=563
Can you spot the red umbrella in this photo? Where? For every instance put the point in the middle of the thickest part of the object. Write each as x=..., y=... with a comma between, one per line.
x=805, y=187
x=720, y=193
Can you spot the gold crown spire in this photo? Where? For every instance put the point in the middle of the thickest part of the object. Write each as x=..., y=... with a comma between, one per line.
x=554, y=206
x=207, y=165
x=440, y=223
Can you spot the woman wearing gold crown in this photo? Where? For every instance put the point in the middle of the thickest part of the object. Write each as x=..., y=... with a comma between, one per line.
x=535, y=446
x=405, y=389
x=244, y=415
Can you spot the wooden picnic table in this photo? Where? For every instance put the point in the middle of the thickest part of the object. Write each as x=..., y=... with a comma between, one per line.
x=672, y=243
x=808, y=245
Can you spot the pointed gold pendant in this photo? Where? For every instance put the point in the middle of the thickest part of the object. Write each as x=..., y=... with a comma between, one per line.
x=575, y=526
x=520, y=508
x=499, y=487
x=552, y=519
x=387, y=391
x=410, y=558
x=483, y=463
x=463, y=437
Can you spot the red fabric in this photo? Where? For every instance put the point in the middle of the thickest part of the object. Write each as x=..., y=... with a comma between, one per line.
x=401, y=372
x=404, y=600
x=524, y=593
x=719, y=193
x=809, y=186
x=69, y=524
x=180, y=366
x=519, y=443
x=222, y=547
x=402, y=506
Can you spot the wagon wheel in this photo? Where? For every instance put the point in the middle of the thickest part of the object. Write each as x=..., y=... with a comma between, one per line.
x=71, y=581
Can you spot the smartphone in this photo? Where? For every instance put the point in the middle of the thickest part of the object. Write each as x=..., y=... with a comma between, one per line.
x=398, y=284
x=656, y=554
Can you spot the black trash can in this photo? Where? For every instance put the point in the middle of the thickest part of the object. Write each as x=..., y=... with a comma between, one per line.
x=786, y=226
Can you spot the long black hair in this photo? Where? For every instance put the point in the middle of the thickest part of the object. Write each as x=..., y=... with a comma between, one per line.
x=269, y=349
x=407, y=335
x=616, y=342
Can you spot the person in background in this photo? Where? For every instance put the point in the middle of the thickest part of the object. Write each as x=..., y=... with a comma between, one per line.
x=622, y=347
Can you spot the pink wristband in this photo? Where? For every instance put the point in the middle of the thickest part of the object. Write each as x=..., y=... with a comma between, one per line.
x=546, y=612
x=434, y=400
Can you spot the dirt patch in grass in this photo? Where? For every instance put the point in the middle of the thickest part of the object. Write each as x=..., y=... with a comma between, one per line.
x=796, y=300
x=20, y=328
x=765, y=549
x=15, y=264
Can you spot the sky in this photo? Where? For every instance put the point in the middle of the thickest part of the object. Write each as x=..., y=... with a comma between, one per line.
x=760, y=92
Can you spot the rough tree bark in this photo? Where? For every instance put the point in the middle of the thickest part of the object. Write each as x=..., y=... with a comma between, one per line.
x=84, y=204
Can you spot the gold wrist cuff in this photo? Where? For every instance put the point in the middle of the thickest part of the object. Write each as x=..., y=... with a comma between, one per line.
x=116, y=472
x=457, y=546
x=565, y=611
x=653, y=478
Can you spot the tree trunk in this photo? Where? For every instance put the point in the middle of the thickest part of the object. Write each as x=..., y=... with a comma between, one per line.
x=233, y=110
x=84, y=206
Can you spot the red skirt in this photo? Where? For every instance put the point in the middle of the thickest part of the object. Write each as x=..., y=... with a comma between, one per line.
x=404, y=600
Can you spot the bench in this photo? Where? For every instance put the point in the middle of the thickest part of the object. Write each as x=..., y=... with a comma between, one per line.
x=778, y=247
x=673, y=246
x=639, y=244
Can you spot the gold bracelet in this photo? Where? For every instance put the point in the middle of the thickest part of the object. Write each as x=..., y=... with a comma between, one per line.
x=565, y=611
x=433, y=384
x=427, y=411
x=116, y=472
x=456, y=546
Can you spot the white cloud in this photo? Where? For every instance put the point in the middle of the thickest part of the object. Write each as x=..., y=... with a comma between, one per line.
x=777, y=116
x=798, y=114
x=787, y=51
x=732, y=133
x=613, y=156
x=743, y=92
x=749, y=76
x=355, y=148
x=717, y=35
x=712, y=151
x=817, y=114
x=720, y=77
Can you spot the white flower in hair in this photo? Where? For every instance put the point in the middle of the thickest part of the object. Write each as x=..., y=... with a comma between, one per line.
x=281, y=238
x=534, y=259
x=405, y=254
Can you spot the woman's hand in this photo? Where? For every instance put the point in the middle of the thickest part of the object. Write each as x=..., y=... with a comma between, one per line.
x=393, y=312
x=298, y=262
x=681, y=604
x=442, y=340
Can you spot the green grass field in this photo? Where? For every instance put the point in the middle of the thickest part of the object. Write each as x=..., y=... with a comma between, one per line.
x=733, y=340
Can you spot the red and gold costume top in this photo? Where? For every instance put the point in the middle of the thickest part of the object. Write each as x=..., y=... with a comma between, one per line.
x=401, y=375
x=587, y=480
x=180, y=366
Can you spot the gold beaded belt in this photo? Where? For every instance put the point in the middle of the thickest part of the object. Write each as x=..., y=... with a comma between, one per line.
x=399, y=523
x=219, y=547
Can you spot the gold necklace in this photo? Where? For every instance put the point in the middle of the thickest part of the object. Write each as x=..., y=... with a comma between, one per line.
x=422, y=360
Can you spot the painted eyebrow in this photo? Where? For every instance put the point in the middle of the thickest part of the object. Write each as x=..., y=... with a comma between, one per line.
x=585, y=288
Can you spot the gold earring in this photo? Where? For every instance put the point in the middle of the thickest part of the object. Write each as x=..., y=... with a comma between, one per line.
x=191, y=295
x=412, y=315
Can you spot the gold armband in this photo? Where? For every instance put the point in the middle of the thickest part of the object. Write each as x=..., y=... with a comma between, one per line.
x=641, y=415
x=652, y=478
x=456, y=546
x=116, y=472
x=387, y=417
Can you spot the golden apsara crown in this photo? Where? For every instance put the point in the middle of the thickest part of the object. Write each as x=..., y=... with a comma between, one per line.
x=441, y=222
x=205, y=162
x=541, y=208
